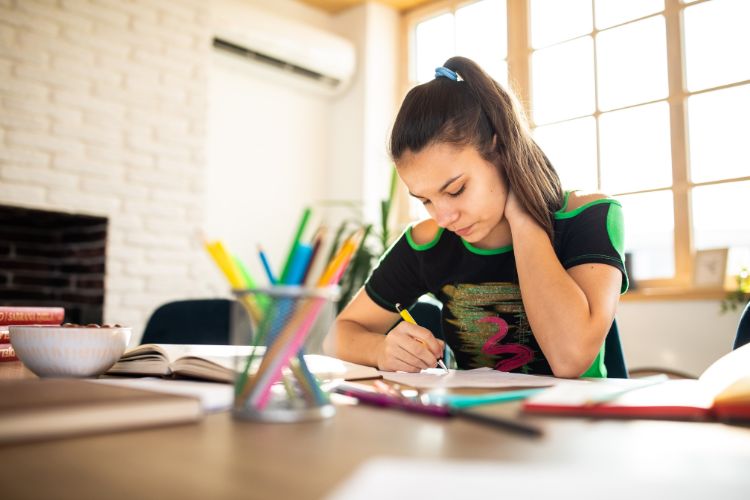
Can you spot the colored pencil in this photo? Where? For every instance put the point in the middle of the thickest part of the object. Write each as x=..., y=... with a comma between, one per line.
x=297, y=237
x=266, y=266
x=382, y=399
x=317, y=242
x=226, y=264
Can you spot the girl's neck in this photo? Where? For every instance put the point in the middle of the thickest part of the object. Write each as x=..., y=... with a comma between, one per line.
x=500, y=236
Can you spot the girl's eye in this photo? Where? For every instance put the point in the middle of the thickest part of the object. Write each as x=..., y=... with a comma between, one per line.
x=425, y=202
x=457, y=193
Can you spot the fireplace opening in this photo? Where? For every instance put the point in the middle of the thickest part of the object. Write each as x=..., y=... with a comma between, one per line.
x=53, y=259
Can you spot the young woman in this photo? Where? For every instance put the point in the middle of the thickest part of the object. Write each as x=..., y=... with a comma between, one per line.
x=529, y=275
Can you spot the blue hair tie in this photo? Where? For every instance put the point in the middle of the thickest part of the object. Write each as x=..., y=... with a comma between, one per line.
x=443, y=72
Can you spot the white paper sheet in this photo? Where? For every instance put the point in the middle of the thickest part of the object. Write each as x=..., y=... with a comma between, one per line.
x=409, y=479
x=436, y=378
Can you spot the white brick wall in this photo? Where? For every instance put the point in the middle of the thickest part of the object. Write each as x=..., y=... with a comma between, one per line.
x=102, y=112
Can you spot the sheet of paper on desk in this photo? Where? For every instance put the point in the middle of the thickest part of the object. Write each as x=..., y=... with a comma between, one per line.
x=436, y=378
x=401, y=478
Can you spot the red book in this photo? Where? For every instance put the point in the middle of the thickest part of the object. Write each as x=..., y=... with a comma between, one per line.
x=4, y=336
x=20, y=315
x=7, y=353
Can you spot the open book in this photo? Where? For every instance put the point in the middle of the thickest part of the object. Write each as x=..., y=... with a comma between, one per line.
x=36, y=409
x=721, y=393
x=220, y=362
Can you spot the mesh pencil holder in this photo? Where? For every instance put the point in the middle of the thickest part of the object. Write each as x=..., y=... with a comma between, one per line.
x=274, y=383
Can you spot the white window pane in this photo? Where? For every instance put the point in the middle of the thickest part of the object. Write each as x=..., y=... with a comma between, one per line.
x=555, y=21
x=612, y=12
x=635, y=148
x=481, y=30
x=718, y=130
x=720, y=220
x=482, y=35
x=632, y=63
x=717, y=39
x=649, y=234
x=434, y=44
x=563, y=81
x=571, y=147
x=498, y=71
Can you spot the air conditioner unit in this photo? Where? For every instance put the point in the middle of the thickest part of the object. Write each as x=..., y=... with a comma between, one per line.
x=324, y=60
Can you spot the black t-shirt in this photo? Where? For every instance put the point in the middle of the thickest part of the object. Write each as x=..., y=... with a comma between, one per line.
x=483, y=317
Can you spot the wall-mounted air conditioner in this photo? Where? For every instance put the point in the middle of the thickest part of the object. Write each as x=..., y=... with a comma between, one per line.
x=325, y=61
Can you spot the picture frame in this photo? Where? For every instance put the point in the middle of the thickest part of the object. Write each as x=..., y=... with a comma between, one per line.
x=710, y=268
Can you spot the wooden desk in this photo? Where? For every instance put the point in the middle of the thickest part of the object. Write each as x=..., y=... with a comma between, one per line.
x=223, y=458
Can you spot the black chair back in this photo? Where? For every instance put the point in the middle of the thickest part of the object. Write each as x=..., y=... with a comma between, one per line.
x=196, y=321
x=743, y=329
x=614, y=358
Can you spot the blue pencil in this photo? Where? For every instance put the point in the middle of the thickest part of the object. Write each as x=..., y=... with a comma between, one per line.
x=266, y=266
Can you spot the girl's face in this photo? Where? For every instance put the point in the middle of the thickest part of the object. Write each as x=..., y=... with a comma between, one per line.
x=461, y=191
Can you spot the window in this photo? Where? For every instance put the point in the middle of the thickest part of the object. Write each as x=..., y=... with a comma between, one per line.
x=476, y=30
x=641, y=99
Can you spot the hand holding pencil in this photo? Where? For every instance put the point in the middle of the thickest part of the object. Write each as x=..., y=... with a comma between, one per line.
x=409, y=347
x=410, y=319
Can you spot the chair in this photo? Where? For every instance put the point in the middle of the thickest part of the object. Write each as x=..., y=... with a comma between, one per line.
x=428, y=315
x=743, y=328
x=614, y=359
x=195, y=321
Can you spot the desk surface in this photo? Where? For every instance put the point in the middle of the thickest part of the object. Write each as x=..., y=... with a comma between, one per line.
x=223, y=458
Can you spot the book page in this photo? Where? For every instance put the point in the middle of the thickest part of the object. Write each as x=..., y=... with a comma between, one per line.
x=434, y=378
x=217, y=361
x=173, y=352
x=223, y=368
x=220, y=362
x=727, y=369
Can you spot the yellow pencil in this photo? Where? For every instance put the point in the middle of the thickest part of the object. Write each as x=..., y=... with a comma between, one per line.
x=410, y=319
x=224, y=260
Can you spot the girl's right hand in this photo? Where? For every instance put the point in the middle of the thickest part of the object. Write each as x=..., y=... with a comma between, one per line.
x=409, y=348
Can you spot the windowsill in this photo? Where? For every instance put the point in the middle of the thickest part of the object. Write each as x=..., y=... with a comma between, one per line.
x=650, y=294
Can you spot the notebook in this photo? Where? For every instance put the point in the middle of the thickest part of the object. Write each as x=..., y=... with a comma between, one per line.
x=37, y=409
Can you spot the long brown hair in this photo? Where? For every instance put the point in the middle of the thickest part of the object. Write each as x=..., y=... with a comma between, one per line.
x=477, y=111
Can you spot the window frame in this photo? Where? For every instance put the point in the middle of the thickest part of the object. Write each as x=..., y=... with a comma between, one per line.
x=519, y=77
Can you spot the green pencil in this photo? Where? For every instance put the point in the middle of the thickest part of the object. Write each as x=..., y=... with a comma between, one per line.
x=297, y=236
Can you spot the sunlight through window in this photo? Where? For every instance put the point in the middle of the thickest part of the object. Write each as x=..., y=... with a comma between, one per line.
x=716, y=43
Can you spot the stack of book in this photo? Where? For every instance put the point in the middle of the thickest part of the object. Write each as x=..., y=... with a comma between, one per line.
x=20, y=315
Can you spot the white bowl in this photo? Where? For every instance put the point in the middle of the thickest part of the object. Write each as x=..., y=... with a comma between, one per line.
x=56, y=351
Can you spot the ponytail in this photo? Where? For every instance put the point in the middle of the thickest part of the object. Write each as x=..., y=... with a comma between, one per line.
x=477, y=111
